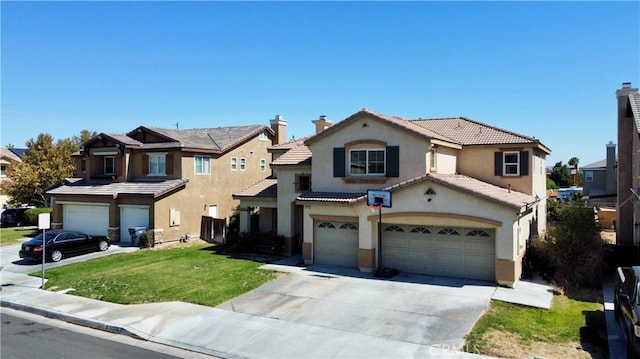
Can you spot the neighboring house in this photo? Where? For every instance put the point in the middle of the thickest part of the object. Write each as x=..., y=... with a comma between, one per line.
x=466, y=196
x=599, y=178
x=8, y=156
x=167, y=180
x=628, y=207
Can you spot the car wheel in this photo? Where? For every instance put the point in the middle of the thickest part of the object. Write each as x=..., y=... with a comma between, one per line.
x=56, y=255
x=103, y=245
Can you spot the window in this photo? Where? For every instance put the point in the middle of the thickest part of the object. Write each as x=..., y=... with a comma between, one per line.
x=420, y=230
x=3, y=170
x=588, y=176
x=326, y=225
x=263, y=165
x=511, y=164
x=433, y=153
x=366, y=162
x=157, y=164
x=202, y=164
x=263, y=136
x=449, y=231
x=478, y=233
x=394, y=229
x=350, y=226
x=234, y=164
x=303, y=183
x=243, y=164
x=109, y=165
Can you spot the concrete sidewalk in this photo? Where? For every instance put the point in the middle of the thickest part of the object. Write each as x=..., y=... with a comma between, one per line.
x=207, y=330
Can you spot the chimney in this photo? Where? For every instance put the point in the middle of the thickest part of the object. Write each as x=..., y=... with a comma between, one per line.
x=279, y=126
x=322, y=123
x=624, y=208
x=610, y=172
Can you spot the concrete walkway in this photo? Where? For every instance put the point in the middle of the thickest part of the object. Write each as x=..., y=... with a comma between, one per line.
x=207, y=330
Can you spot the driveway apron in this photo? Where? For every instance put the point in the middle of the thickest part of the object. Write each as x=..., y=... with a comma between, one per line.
x=411, y=308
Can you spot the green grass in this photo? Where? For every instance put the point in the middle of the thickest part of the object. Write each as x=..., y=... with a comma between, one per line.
x=194, y=274
x=10, y=236
x=568, y=321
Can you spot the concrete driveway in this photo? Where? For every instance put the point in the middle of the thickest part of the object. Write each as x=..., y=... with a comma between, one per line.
x=411, y=308
x=10, y=260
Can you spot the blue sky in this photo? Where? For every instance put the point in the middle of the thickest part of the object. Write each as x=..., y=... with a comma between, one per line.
x=542, y=69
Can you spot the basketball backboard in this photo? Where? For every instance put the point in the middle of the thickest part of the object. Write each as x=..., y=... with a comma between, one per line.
x=378, y=197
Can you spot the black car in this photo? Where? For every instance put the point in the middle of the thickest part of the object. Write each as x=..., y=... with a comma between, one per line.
x=61, y=244
x=13, y=217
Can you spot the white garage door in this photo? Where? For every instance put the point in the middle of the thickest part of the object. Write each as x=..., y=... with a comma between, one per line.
x=336, y=243
x=450, y=252
x=132, y=216
x=87, y=218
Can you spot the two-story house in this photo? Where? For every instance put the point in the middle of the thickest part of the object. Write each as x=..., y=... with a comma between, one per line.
x=465, y=196
x=166, y=180
x=628, y=205
x=8, y=156
x=599, y=184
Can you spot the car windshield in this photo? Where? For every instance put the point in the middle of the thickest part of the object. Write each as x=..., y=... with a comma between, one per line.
x=49, y=236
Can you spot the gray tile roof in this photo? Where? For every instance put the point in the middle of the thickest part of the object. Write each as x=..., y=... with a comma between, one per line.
x=81, y=187
x=513, y=199
x=265, y=188
x=221, y=138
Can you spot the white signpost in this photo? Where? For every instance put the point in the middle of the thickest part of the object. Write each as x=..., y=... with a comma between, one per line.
x=44, y=223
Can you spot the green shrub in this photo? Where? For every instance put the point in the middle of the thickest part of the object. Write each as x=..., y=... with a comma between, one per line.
x=32, y=214
x=147, y=240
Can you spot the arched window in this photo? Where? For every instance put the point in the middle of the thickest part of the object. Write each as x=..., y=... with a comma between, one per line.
x=420, y=230
x=449, y=231
x=326, y=225
x=478, y=233
x=348, y=226
x=393, y=229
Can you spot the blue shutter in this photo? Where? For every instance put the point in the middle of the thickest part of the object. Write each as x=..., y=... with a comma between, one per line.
x=497, y=163
x=393, y=161
x=524, y=163
x=338, y=162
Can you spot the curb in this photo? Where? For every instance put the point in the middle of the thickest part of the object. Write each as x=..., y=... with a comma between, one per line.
x=89, y=323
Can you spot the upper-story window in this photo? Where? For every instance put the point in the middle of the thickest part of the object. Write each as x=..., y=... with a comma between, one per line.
x=303, y=182
x=243, y=163
x=263, y=136
x=202, y=164
x=158, y=164
x=109, y=165
x=366, y=162
x=588, y=176
x=433, y=158
x=3, y=170
x=234, y=163
x=511, y=163
x=263, y=165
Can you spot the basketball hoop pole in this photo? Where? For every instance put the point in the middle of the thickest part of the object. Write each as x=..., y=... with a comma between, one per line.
x=380, y=238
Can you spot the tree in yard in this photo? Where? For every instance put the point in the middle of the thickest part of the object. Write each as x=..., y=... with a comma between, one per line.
x=574, y=162
x=43, y=165
x=560, y=175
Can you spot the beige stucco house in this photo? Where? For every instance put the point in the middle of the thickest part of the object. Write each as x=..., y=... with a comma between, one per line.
x=465, y=196
x=628, y=209
x=166, y=180
x=7, y=158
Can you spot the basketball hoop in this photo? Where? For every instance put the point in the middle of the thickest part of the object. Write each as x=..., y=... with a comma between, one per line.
x=375, y=207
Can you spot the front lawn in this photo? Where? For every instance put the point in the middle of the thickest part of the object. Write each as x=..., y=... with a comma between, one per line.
x=15, y=235
x=195, y=274
x=572, y=328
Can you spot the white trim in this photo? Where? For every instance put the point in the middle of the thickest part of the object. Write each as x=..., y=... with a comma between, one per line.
x=505, y=164
x=100, y=204
x=141, y=206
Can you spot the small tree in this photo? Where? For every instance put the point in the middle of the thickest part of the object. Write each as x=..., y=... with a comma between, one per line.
x=560, y=175
x=572, y=247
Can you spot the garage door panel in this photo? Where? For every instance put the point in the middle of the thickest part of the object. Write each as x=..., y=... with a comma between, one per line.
x=90, y=219
x=334, y=246
x=434, y=252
